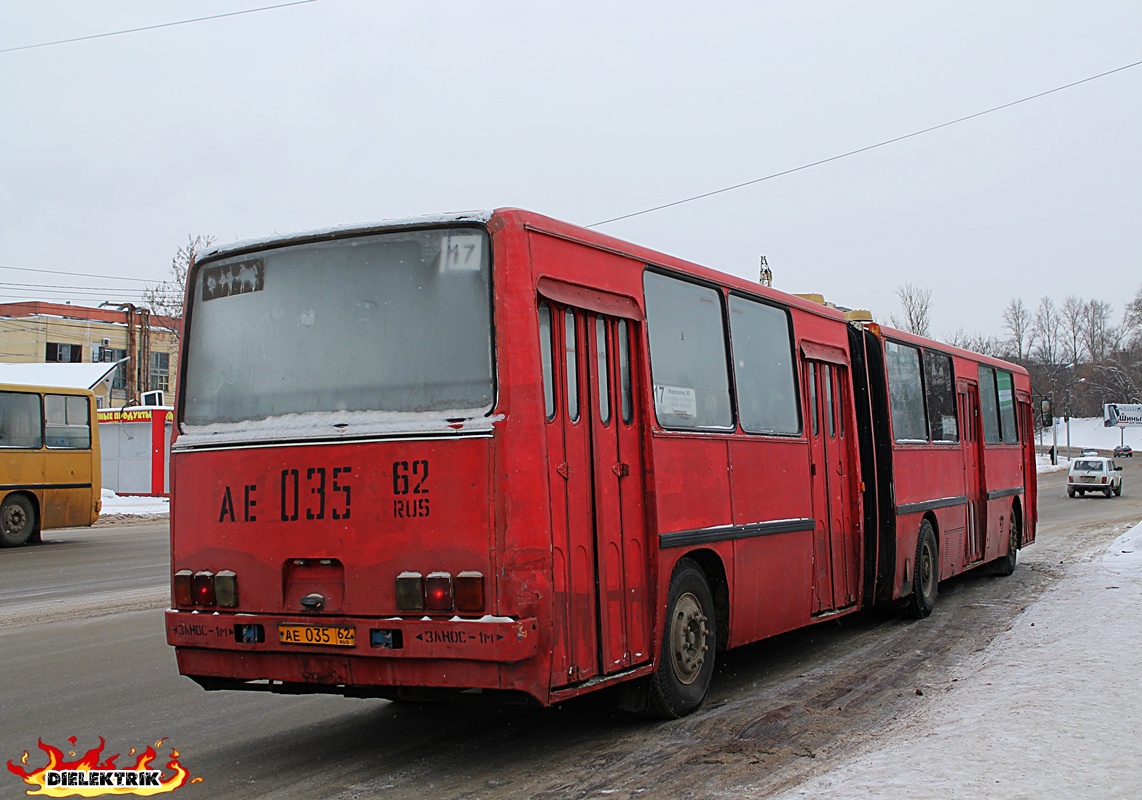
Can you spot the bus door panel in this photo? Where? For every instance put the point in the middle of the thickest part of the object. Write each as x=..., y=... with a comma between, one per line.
x=822, y=563
x=975, y=538
x=837, y=457
x=617, y=470
x=574, y=645
x=1030, y=481
x=835, y=544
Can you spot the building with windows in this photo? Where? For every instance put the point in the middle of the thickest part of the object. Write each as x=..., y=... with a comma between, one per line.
x=146, y=344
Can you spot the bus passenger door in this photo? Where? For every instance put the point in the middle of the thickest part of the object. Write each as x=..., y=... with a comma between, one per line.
x=836, y=544
x=601, y=621
x=975, y=538
x=620, y=535
x=574, y=644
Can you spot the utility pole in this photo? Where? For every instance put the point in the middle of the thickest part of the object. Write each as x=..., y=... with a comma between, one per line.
x=138, y=349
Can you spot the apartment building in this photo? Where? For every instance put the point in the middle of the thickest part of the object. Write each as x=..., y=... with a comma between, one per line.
x=146, y=343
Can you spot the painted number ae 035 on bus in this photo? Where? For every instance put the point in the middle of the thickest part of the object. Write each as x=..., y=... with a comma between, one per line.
x=501, y=454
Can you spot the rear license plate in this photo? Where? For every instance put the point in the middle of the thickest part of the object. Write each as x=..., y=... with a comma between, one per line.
x=329, y=636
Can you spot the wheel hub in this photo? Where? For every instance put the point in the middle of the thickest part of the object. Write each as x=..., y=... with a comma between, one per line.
x=688, y=635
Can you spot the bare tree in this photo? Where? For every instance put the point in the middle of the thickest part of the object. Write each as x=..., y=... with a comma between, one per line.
x=1100, y=335
x=976, y=342
x=1017, y=319
x=1046, y=332
x=166, y=299
x=1132, y=319
x=1074, y=309
x=917, y=305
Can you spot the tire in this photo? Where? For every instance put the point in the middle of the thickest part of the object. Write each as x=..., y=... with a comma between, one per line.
x=925, y=573
x=1108, y=491
x=1070, y=492
x=17, y=520
x=1005, y=565
x=686, y=660
x=1118, y=490
x=1082, y=492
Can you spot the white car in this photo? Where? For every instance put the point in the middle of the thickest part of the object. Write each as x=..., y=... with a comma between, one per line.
x=1094, y=474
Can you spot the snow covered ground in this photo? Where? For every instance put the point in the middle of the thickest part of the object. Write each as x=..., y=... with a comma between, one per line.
x=1052, y=708
x=1089, y=432
x=131, y=506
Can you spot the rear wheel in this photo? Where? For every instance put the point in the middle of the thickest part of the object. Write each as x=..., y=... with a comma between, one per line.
x=686, y=662
x=17, y=520
x=1108, y=491
x=925, y=575
x=1118, y=490
x=1005, y=565
x=1070, y=492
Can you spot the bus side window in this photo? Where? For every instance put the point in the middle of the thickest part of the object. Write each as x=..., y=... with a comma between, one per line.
x=20, y=418
x=67, y=423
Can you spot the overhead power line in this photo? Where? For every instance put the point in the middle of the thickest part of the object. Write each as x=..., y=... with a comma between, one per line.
x=79, y=274
x=155, y=27
x=865, y=149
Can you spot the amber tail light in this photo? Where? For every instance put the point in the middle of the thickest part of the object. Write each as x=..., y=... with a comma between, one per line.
x=181, y=588
x=410, y=591
x=226, y=589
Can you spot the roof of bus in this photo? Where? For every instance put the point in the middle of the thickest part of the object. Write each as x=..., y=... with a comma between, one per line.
x=950, y=349
x=579, y=233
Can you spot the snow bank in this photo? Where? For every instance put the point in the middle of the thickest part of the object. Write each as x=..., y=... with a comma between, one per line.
x=115, y=505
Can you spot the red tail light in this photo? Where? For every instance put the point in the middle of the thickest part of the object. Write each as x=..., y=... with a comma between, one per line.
x=202, y=586
x=470, y=591
x=438, y=592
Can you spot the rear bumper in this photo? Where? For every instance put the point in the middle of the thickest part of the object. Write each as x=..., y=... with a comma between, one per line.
x=386, y=652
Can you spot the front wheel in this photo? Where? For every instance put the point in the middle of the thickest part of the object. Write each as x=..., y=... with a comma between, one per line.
x=925, y=573
x=686, y=661
x=17, y=520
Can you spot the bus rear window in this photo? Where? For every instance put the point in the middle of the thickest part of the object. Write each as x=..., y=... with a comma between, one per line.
x=396, y=322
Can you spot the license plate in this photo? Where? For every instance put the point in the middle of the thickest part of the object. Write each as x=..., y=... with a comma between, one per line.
x=329, y=636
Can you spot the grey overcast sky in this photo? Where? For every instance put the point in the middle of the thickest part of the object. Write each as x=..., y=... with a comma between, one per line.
x=114, y=149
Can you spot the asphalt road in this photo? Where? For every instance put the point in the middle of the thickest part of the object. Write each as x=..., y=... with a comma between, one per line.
x=83, y=654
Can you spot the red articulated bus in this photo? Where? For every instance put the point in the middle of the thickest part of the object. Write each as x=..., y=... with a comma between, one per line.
x=501, y=453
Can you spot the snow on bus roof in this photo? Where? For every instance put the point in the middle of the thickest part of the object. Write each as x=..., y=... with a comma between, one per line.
x=59, y=376
x=324, y=233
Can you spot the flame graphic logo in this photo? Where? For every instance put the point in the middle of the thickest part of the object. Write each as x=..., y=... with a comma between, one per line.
x=45, y=782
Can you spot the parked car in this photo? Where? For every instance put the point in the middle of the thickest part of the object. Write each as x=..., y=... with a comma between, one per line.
x=1089, y=451
x=1124, y=451
x=1094, y=474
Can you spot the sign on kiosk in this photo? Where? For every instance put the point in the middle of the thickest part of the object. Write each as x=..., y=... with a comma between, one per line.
x=136, y=455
